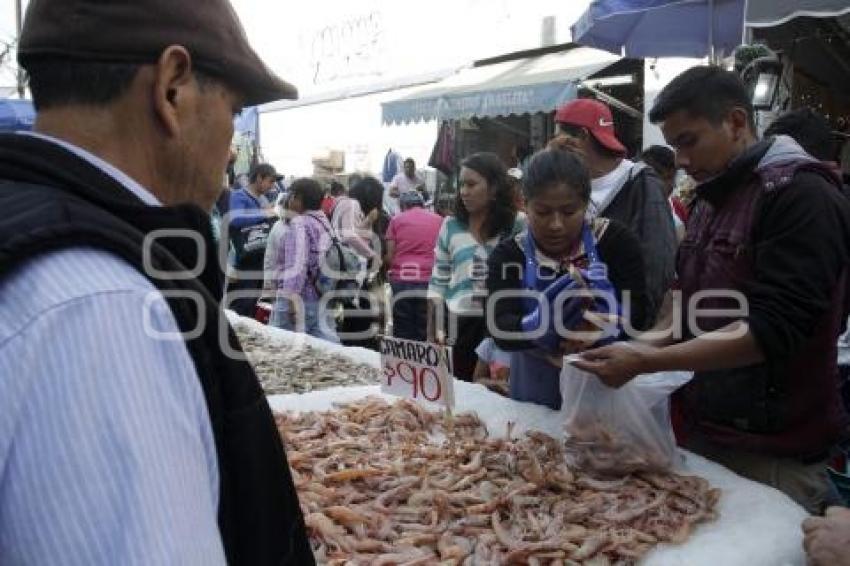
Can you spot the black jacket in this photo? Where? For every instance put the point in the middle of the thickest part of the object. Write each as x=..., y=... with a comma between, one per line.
x=641, y=206
x=52, y=200
x=617, y=247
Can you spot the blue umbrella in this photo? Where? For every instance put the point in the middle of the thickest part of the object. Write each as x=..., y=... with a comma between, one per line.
x=662, y=28
x=16, y=114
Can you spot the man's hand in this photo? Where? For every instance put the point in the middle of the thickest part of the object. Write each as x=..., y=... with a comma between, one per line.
x=617, y=364
x=827, y=539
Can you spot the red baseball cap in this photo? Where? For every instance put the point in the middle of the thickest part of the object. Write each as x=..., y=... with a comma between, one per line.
x=593, y=115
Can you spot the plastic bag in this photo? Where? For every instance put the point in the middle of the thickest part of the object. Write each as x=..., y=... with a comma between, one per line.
x=615, y=432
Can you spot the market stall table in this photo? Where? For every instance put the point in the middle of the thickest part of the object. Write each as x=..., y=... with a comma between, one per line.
x=757, y=525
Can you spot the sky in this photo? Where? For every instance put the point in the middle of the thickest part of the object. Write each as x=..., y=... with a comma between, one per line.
x=392, y=38
x=313, y=43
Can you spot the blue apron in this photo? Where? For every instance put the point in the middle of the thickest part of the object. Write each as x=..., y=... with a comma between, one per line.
x=534, y=379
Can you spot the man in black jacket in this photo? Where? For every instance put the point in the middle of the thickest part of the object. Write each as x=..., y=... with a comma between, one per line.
x=622, y=190
x=141, y=435
x=762, y=273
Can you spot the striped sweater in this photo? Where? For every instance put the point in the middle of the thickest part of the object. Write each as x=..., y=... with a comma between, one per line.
x=460, y=265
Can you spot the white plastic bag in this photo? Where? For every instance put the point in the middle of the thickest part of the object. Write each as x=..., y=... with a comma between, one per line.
x=619, y=431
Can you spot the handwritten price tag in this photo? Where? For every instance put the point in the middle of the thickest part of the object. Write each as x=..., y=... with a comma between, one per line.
x=417, y=370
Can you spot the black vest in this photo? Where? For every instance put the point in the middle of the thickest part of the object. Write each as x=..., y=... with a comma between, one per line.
x=51, y=200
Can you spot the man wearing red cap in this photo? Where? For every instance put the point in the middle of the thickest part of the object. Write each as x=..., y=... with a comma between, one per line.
x=140, y=434
x=622, y=190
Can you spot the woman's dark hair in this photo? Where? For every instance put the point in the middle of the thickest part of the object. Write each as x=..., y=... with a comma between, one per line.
x=369, y=192
x=551, y=167
x=501, y=214
x=309, y=191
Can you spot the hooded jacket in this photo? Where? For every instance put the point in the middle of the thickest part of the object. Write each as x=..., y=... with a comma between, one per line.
x=640, y=205
x=774, y=228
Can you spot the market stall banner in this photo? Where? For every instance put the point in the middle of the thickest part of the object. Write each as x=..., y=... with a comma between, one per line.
x=417, y=370
x=501, y=102
x=524, y=85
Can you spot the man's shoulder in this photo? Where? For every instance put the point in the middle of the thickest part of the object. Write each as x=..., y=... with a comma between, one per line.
x=815, y=191
x=646, y=182
x=242, y=196
x=56, y=278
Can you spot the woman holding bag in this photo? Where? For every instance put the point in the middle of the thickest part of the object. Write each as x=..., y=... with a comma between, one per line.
x=558, y=287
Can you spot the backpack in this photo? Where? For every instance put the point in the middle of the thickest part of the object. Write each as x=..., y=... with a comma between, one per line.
x=340, y=269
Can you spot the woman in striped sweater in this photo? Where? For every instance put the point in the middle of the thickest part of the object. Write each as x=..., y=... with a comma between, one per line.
x=485, y=215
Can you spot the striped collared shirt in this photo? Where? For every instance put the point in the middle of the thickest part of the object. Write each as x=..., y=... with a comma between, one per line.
x=106, y=450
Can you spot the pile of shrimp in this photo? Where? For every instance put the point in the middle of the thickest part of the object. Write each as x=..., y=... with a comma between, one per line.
x=394, y=484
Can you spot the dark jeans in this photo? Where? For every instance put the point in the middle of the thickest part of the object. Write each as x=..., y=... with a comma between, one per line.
x=409, y=313
x=245, y=306
x=356, y=320
x=467, y=335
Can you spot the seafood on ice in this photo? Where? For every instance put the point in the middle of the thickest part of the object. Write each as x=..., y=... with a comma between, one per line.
x=299, y=368
x=394, y=483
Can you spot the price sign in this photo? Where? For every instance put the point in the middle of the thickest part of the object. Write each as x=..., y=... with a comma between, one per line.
x=417, y=370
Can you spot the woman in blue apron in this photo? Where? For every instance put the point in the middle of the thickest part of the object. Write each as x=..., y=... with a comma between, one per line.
x=566, y=283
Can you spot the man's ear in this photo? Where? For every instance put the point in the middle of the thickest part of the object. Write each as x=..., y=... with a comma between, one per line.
x=174, y=85
x=739, y=122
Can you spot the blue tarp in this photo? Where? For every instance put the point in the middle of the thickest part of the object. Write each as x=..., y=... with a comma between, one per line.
x=533, y=84
x=16, y=114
